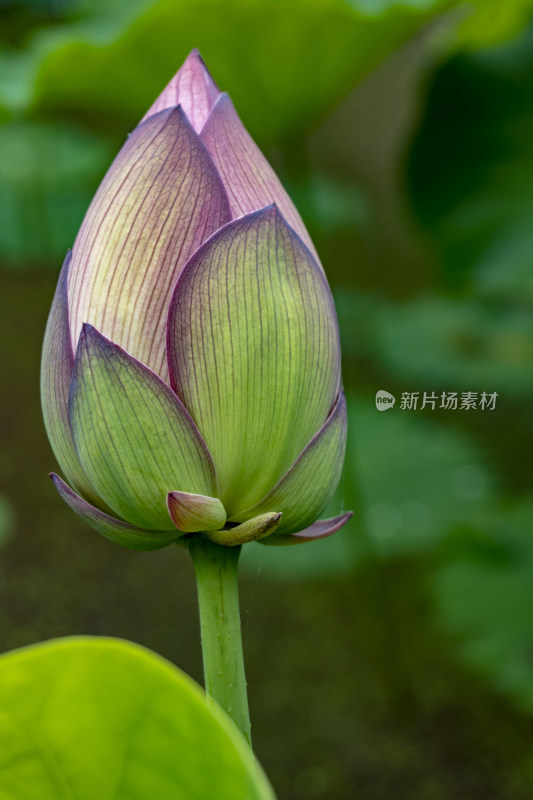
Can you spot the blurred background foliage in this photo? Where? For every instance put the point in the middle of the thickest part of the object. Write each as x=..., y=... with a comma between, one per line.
x=394, y=660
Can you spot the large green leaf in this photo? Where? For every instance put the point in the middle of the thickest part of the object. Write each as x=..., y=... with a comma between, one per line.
x=491, y=21
x=471, y=168
x=466, y=345
x=440, y=343
x=321, y=49
x=104, y=70
x=48, y=174
x=104, y=719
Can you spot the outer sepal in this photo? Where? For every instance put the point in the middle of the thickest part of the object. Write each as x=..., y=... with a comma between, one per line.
x=318, y=530
x=117, y=530
x=195, y=512
x=134, y=437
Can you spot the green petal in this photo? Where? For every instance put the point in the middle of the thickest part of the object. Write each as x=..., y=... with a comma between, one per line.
x=307, y=487
x=195, y=512
x=253, y=351
x=250, y=531
x=132, y=434
x=117, y=530
x=161, y=198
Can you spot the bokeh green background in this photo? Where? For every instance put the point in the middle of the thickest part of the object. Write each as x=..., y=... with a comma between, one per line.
x=394, y=660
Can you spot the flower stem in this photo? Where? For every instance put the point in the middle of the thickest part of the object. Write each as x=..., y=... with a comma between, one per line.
x=216, y=568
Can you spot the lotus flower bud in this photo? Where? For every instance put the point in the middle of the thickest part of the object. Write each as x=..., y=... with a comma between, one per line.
x=191, y=362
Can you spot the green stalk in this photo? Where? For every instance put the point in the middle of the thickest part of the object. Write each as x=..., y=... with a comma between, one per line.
x=216, y=568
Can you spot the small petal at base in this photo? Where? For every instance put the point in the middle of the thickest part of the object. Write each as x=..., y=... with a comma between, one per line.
x=195, y=512
x=250, y=531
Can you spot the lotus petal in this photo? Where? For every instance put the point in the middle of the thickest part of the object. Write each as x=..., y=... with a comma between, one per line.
x=307, y=487
x=132, y=434
x=253, y=351
x=318, y=530
x=250, y=531
x=161, y=198
x=117, y=530
x=250, y=181
x=195, y=512
x=192, y=88
x=56, y=371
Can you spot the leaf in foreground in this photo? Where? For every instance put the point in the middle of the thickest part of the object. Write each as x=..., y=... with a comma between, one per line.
x=90, y=718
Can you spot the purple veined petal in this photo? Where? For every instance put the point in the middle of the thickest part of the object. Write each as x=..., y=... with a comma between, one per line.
x=192, y=88
x=250, y=181
x=56, y=372
x=161, y=198
x=306, y=488
x=117, y=530
x=318, y=530
x=254, y=351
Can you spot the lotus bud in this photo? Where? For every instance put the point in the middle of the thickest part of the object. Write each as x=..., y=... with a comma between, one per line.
x=191, y=362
